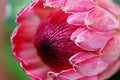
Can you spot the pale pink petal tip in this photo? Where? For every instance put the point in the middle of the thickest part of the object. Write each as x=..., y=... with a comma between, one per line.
x=78, y=6
x=111, y=51
x=36, y=72
x=85, y=38
x=54, y=3
x=110, y=6
x=110, y=70
x=88, y=63
x=81, y=56
x=101, y=20
x=77, y=19
x=70, y=75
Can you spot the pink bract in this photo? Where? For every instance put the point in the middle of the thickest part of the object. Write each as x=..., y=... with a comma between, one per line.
x=92, y=37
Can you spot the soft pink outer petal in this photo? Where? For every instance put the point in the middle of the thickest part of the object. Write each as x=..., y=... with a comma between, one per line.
x=89, y=78
x=101, y=20
x=36, y=72
x=81, y=56
x=24, y=14
x=111, y=51
x=70, y=74
x=110, y=6
x=119, y=21
x=78, y=6
x=112, y=68
x=88, y=39
x=54, y=3
x=91, y=65
x=35, y=9
x=25, y=52
x=77, y=18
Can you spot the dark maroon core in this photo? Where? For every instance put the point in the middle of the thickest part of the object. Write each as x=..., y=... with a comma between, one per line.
x=52, y=41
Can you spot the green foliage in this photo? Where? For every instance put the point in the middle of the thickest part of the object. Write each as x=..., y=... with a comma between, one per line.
x=14, y=69
x=117, y=1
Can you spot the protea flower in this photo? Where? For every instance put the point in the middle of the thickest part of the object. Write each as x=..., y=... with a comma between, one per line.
x=72, y=40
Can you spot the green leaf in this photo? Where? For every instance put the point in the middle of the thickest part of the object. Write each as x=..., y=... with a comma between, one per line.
x=117, y=1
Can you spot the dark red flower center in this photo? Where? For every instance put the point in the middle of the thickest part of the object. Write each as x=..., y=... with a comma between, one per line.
x=52, y=41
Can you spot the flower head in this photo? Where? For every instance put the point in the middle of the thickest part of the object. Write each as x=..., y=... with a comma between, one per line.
x=73, y=40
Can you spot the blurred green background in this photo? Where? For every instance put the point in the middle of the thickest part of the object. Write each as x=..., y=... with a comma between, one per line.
x=9, y=67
